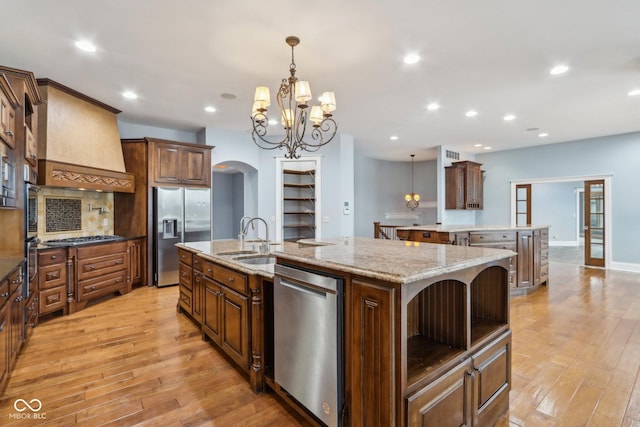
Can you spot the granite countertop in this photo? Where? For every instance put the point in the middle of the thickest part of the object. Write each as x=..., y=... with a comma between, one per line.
x=211, y=250
x=461, y=227
x=389, y=260
x=392, y=260
x=8, y=264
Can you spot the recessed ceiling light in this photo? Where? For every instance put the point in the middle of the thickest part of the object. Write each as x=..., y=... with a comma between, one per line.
x=478, y=145
x=393, y=138
x=433, y=106
x=273, y=122
x=85, y=45
x=559, y=69
x=228, y=96
x=543, y=135
x=532, y=129
x=509, y=117
x=411, y=58
x=471, y=113
x=129, y=95
x=634, y=92
x=209, y=109
x=487, y=148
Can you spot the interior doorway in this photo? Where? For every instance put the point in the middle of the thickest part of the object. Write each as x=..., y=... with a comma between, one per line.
x=594, y=227
x=233, y=193
x=564, y=244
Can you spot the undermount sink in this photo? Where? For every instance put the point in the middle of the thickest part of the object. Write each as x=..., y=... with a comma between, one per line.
x=256, y=259
x=237, y=253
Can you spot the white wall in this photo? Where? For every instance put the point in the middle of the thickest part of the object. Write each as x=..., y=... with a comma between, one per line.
x=554, y=204
x=135, y=130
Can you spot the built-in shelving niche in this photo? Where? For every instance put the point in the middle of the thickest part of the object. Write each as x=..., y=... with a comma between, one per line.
x=438, y=320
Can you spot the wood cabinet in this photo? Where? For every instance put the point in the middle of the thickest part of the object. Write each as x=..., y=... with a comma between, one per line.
x=181, y=164
x=100, y=270
x=52, y=280
x=156, y=163
x=464, y=185
x=137, y=258
x=12, y=320
x=8, y=106
x=226, y=311
x=190, y=285
x=440, y=349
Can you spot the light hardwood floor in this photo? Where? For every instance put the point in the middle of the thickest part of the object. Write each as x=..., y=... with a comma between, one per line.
x=134, y=360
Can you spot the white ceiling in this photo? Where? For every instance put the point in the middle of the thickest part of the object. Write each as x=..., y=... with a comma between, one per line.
x=493, y=56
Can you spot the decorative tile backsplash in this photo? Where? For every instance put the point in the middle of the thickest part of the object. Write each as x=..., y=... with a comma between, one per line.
x=65, y=213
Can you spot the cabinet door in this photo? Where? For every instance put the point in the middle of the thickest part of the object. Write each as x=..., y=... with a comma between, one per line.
x=196, y=295
x=7, y=121
x=372, y=373
x=235, y=326
x=167, y=163
x=16, y=313
x=135, y=261
x=4, y=346
x=492, y=380
x=196, y=166
x=525, y=258
x=30, y=147
x=211, y=325
x=447, y=402
x=473, y=187
x=537, y=252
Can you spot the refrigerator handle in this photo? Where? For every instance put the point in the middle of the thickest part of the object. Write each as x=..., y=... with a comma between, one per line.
x=170, y=228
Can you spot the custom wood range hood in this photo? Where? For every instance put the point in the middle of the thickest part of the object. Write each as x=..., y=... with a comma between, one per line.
x=79, y=143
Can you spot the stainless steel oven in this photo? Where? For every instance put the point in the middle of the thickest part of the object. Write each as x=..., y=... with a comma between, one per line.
x=31, y=211
x=31, y=236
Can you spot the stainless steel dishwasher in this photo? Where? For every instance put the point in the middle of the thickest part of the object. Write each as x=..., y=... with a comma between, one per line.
x=308, y=340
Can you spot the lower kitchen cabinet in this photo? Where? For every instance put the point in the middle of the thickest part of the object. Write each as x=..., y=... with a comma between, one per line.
x=12, y=322
x=52, y=277
x=226, y=318
x=4, y=346
x=137, y=257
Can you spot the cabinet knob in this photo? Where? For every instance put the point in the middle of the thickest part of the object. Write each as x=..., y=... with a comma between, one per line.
x=209, y=270
x=33, y=156
x=118, y=280
x=54, y=257
x=93, y=288
x=9, y=133
x=92, y=267
x=230, y=279
x=118, y=261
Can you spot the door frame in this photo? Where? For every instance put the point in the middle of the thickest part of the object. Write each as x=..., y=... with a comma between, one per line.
x=608, y=237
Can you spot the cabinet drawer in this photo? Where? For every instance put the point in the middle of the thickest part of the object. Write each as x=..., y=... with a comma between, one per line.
x=185, y=276
x=511, y=246
x=231, y=279
x=102, y=285
x=52, y=276
x=493, y=379
x=51, y=256
x=197, y=263
x=31, y=311
x=4, y=292
x=52, y=299
x=185, y=256
x=185, y=299
x=492, y=237
x=544, y=256
x=402, y=234
x=99, y=266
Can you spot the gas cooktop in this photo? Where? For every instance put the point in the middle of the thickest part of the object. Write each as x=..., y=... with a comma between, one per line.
x=85, y=240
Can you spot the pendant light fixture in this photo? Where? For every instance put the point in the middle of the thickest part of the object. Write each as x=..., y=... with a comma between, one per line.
x=413, y=199
x=306, y=128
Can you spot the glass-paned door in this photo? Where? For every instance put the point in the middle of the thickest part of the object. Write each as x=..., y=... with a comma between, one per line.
x=594, y=230
x=523, y=204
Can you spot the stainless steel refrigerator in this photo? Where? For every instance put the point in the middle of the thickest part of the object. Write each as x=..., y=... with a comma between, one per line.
x=180, y=215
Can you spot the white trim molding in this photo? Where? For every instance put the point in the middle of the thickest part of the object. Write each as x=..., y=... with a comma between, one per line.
x=625, y=266
x=564, y=243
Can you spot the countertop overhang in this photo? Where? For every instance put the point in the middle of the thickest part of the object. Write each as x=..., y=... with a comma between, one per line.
x=463, y=228
x=389, y=260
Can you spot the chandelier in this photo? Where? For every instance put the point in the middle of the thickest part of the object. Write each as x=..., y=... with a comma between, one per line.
x=295, y=116
x=413, y=199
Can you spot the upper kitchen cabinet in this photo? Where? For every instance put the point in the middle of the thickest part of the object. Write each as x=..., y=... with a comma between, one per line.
x=79, y=142
x=8, y=105
x=181, y=164
x=24, y=126
x=463, y=185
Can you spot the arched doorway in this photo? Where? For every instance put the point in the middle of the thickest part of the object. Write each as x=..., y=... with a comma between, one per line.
x=233, y=193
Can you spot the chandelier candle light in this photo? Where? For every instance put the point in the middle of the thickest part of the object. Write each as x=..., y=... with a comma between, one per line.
x=293, y=96
x=413, y=199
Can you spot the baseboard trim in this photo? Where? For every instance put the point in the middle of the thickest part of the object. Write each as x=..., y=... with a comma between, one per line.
x=625, y=266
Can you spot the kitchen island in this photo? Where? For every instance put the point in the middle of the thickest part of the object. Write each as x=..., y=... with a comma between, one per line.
x=528, y=271
x=426, y=327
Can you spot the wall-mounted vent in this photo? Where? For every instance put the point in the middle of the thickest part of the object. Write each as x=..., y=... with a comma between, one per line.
x=453, y=155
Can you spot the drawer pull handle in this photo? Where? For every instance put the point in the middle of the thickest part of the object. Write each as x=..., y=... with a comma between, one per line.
x=118, y=261
x=54, y=257
x=92, y=267
x=93, y=288
x=209, y=270
x=118, y=280
x=8, y=132
x=18, y=299
x=2, y=326
x=230, y=279
x=5, y=295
